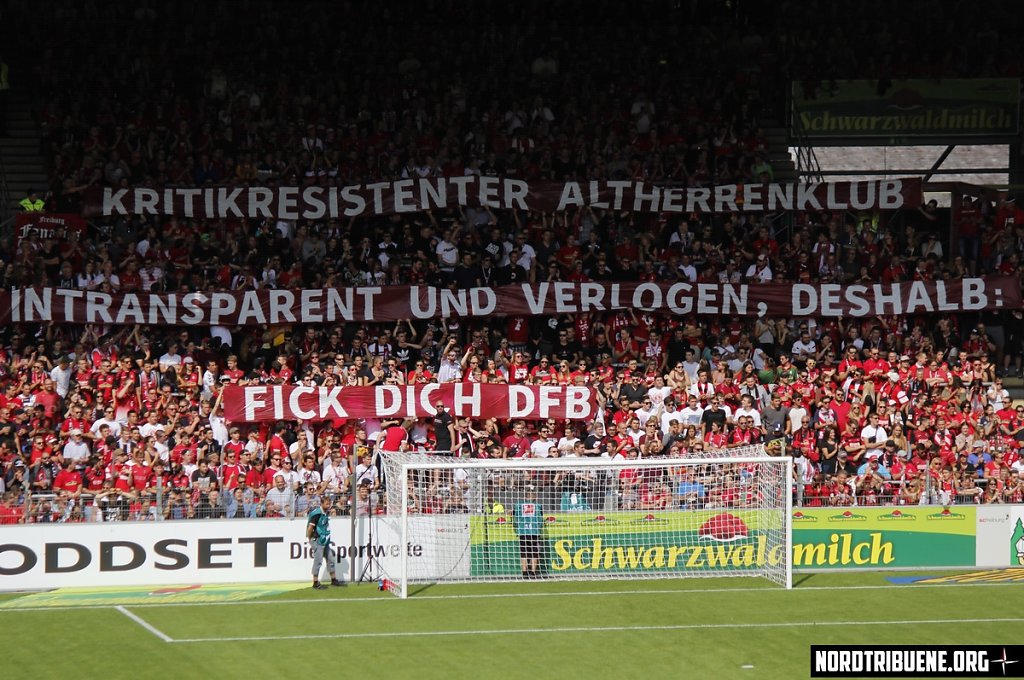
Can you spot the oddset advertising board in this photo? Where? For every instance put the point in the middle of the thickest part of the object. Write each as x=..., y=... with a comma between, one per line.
x=708, y=541
x=35, y=557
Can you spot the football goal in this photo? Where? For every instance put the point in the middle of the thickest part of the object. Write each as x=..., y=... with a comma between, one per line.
x=588, y=518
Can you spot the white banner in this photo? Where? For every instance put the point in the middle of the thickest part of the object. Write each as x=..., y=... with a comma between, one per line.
x=1000, y=536
x=217, y=551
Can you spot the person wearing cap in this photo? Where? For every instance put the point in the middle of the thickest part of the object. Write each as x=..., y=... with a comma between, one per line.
x=892, y=393
x=76, y=450
x=528, y=521
x=876, y=465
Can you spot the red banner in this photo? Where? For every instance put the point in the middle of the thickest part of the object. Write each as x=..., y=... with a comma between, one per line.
x=255, y=403
x=417, y=195
x=393, y=303
x=47, y=225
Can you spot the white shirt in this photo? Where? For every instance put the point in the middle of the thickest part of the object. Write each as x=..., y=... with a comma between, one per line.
x=291, y=477
x=366, y=472
x=688, y=272
x=284, y=499
x=804, y=349
x=220, y=429
x=657, y=395
x=763, y=275
x=996, y=397
x=796, y=418
x=62, y=379
x=566, y=444
x=877, y=436
x=645, y=414
x=449, y=371
x=147, y=430
x=691, y=368
x=691, y=416
x=170, y=360
x=76, y=450
x=209, y=378
x=749, y=413
x=527, y=257
x=539, y=448
x=678, y=416
x=334, y=476
x=115, y=427
x=447, y=254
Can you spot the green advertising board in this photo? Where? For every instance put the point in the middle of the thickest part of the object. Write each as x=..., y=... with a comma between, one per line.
x=917, y=536
x=908, y=111
x=709, y=541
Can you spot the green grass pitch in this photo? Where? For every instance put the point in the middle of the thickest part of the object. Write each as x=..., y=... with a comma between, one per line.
x=717, y=628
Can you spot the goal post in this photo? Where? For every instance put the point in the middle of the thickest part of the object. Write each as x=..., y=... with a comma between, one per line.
x=480, y=520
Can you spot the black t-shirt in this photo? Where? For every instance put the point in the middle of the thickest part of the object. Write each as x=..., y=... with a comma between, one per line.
x=710, y=417
x=594, y=442
x=677, y=350
x=441, y=435
x=203, y=480
x=633, y=392
x=513, y=274
x=496, y=249
x=565, y=352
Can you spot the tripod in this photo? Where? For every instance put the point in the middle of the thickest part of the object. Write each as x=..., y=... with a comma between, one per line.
x=372, y=568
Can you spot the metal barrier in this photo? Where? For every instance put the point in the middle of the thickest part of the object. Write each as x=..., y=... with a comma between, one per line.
x=894, y=492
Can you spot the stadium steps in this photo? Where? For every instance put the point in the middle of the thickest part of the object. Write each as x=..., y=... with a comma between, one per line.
x=20, y=151
x=1015, y=386
x=777, y=139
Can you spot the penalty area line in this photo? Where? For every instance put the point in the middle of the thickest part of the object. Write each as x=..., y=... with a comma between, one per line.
x=588, y=629
x=145, y=624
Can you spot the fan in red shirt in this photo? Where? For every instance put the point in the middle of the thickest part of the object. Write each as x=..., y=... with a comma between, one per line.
x=255, y=477
x=517, y=444
x=160, y=477
x=518, y=330
x=232, y=372
x=235, y=444
x=94, y=476
x=876, y=367
x=518, y=370
x=48, y=399
x=141, y=474
x=851, y=360
x=9, y=514
x=74, y=421
x=104, y=383
x=396, y=434
x=541, y=373
x=231, y=472
x=68, y=479
x=625, y=348
x=276, y=445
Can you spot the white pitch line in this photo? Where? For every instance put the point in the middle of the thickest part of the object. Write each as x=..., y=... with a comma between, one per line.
x=487, y=596
x=596, y=629
x=145, y=624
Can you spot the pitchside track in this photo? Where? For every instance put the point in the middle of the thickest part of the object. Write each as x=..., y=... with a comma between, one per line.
x=735, y=628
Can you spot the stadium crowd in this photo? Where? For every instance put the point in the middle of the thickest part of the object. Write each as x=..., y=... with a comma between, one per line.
x=126, y=423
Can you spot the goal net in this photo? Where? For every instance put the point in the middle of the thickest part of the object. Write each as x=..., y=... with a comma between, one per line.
x=584, y=518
